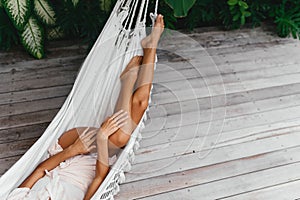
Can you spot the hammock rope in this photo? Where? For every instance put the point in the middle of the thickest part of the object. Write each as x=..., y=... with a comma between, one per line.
x=154, y=15
x=94, y=95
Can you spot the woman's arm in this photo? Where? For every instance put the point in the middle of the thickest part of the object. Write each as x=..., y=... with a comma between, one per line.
x=102, y=167
x=48, y=164
x=81, y=146
x=110, y=125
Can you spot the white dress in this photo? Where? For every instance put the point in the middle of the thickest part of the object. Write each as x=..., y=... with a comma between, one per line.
x=68, y=181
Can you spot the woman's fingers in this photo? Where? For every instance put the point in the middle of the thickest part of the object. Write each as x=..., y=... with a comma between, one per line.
x=121, y=115
x=92, y=147
x=116, y=114
x=122, y=124
x=122, y=120
x=87, y=138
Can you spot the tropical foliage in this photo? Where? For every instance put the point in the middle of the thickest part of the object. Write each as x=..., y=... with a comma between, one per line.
x=31, y=22
x=26, y=16
x=232, y=14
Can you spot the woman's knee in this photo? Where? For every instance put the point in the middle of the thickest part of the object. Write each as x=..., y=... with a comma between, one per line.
x=119, y=139
x=140, y=99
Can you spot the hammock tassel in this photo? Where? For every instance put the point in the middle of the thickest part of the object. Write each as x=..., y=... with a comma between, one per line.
x=131, y=156
x=136, y=146
x=127, y=166
x=122, y=177
x=139, y=137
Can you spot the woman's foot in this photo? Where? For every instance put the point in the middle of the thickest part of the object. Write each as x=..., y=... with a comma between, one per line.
x=151, y=41
x=132, y=66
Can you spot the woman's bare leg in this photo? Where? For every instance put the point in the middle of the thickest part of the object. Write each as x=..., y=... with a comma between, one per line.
x=128, y=79
x=139, y=99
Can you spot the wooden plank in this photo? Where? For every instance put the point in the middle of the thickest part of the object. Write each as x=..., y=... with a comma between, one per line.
x=35, y=94
x=39, y=83
x=27, y=119
x=22, y=133
x=235, y=135
x=202, y=143
x=29, y=74
x=174, y=95
x=217, y=101
x=177, y=55
x=203, y=81
x=159, y=167
x=207, y=174
x=17, y=54
x=249, y=108
x=34, y=64
x=243, y=183
x=211, y=74
x=284, y=191
x=252, y=56
x=218, y=117
x=6, y=163
x=204, y=104
x=16, y=148
x=221, y=40
x=31, y=106
x=190, y=50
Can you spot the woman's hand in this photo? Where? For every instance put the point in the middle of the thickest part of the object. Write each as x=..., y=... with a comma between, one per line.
x=84, y=143
x=112, y=124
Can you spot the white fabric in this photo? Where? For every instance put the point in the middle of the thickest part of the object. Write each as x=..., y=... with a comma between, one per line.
x=69, y=180
x=93, y=95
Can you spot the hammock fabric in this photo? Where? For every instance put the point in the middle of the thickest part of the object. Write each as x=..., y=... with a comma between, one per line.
x=93, y=97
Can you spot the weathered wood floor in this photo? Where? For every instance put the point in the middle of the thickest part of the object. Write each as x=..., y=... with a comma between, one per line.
x=31, y=93
x=228, y=131
x=231, y=133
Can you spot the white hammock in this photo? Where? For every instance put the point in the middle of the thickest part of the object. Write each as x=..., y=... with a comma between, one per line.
x=93, y=97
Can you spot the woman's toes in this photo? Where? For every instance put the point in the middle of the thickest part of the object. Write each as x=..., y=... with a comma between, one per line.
x=159, y=19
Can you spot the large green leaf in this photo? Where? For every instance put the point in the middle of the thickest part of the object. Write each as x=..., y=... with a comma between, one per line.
x=18, y=11
x=180, y=7
x=32, y=38
x=44, y=11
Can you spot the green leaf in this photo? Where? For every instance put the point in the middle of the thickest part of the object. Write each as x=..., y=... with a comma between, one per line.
x=231, y=8
x=32, y=38
x=243, y=4
x=105, y=5
x=18, y=11
x=180, y=7
x=232, y=2
x=236, y=17
x=247, y=14
x=75, y=2
x=288, y=22
x=243, y=19
x=44, y=11
x=55, y=33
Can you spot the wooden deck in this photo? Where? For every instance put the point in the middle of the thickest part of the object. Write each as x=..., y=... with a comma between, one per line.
x=31, y=93
x=223, y=131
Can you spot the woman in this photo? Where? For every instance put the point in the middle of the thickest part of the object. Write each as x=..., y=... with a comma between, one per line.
x=71, y=171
